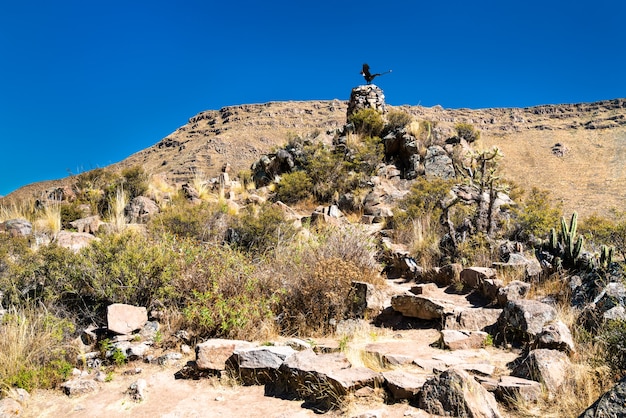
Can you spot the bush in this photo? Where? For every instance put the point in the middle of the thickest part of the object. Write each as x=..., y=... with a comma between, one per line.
x=134, y=181
x=611, y=231
x=467, y=132
x=294, y=187
x=367, y=122
x=206, y=222
x=417, y=220
x=223, y=294
x=537, y=214
x=261, y=230
x=397, y=119
x=70, y=213
x=317, y=278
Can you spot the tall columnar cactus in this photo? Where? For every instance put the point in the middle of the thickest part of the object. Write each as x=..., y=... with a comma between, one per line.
x=565, y=246
x=572, y=246
x=606, y=256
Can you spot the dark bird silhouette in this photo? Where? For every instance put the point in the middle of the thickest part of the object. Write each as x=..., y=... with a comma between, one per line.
x=365, y=72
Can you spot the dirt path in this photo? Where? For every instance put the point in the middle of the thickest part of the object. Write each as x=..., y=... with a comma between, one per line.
x=178, y=398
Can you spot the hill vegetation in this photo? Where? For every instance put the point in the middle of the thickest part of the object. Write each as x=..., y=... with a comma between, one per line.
x=265, y=254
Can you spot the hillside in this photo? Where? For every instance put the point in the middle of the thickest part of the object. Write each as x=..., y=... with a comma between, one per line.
x=573, y=150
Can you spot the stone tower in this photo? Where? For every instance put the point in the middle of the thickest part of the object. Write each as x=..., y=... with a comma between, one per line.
x=364, y=97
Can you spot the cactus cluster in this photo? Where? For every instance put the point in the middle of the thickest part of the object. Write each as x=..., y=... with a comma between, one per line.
x=566, y=246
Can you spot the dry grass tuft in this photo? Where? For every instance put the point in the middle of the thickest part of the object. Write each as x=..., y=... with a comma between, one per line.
x=32, y=349
x=116, y=216
x=49, y=220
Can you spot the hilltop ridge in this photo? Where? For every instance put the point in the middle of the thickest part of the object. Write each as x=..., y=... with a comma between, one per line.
x=584, y=172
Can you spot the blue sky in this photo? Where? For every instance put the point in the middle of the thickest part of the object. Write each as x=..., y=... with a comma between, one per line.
x=84, y=84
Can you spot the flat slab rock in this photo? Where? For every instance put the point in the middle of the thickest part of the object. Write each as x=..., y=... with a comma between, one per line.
x=320, y=379
x=422, y=307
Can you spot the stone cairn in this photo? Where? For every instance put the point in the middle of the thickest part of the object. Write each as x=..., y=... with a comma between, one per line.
x=366, y=97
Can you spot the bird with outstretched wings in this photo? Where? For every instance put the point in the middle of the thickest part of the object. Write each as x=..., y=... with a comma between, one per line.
x=365, y=72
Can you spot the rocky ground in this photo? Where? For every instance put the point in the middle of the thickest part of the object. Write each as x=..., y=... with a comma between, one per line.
x=402, y=352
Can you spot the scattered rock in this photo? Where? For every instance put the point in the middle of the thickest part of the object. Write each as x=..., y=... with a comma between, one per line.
x=16, y=227
x=10, y=408
x=124, y=319
x=510, y=388
x=473, y=277
x=515, y=290
x=73, y=240
x=137, y=390
x=79, y=386
x=556, y=336
x=140, y=209
x=259, y=365
x=523, y=320
x=321, y=380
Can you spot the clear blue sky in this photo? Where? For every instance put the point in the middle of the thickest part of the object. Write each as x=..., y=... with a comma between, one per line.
x=85, y=83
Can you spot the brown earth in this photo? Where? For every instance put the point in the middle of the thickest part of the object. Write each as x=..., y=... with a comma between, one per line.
x=585, y=173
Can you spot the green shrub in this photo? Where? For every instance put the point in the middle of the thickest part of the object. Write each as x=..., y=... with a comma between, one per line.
x=610, y=231
x=206, y=222
x=134, y=181
x=537, y=214
x=364, y=157
x=223, y=293
x=70, y=213
x=467, y=132
x=262, y=229
x=397, y=119
x=294, y=187
x=367, y=122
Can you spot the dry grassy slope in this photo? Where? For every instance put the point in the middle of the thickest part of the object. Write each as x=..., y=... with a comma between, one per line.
x=590, y=177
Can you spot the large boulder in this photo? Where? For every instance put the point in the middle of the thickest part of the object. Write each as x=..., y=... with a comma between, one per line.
x=455, y=393
x=473, y=319
x=74, y=241
x=140, y=209
x=556, y=336
x=514, y=290
x=462, y=340
x=124, y=319
x=549, y=367
x=365, y=300
x=90, y=224
x=473, y=277
x=611, y=404
x=403, y=385
x=511, y=388
x=17, y=227
x=523, y=320
x=438, y=164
